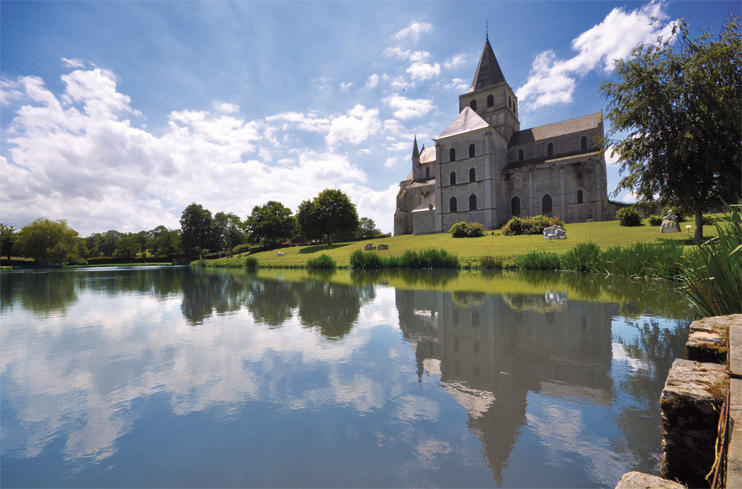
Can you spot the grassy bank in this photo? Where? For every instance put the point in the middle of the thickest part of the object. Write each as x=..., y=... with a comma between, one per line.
x=507, y=251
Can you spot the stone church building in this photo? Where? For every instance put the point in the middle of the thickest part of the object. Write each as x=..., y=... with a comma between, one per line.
x=484, y=168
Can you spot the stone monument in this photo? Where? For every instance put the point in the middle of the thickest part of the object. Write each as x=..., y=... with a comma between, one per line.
x=670, y=223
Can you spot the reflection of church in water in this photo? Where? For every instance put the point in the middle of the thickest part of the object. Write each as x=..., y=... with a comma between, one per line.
x=490, y=351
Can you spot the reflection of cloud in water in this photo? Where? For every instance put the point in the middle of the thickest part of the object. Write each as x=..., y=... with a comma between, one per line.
x=428, y=450
x=412, y=408
x=620, y=355
x=476, y=402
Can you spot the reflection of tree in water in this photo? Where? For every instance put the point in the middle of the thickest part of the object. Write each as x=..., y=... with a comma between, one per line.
x=158, y=281
x=41, y=293
x=410, y=278
x=655, y=348
x=273, y=302
x=331, y=307
x=214, y=290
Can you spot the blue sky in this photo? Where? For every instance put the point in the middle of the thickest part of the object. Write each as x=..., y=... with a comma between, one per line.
x=117, y=115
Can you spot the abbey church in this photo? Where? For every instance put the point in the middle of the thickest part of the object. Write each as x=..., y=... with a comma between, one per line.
x=484, y=168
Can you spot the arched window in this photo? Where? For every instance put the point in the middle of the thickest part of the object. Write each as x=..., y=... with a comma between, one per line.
x=427, y=172
x=490, y=100
x=471, y=151
x=453, y=178
x=550, y=150
x=546, y=204
x=520, y=155
x=472, y=202
x=452, y=205
x=580, y=197
x=583, y=143
x=452, y=155
x=515, y=206
x=473, y=105
x=472, y=175
x=510, y=102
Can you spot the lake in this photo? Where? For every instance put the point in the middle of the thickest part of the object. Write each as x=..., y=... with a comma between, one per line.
x=181, y=377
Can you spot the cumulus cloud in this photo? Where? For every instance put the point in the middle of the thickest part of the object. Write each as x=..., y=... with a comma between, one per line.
x=552, y=80
x=408, y=108
x=10, y=90
x=391, y=162
x=413, y=31
x=226, y=108
x=372, y=82
x=345, y=86
x=400, y=83
x=396, y=52
x=423, y=71
x=454, y=62
x=457, y=84
x=355, y=127
x=73, y=63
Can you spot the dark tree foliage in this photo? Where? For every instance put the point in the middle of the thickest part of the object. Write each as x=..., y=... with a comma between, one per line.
x=367, y=228
x=330, y=213
x=196, y=233
x=271, y=222
x=679, y=101
x=50, y=241
x=8, y=238
x=128, y=246
x=228, y=231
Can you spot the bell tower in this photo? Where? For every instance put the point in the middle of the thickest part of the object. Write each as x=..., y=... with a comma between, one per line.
x=490, y=96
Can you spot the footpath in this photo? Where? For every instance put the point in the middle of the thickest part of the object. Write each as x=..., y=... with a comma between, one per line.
x=701, y=409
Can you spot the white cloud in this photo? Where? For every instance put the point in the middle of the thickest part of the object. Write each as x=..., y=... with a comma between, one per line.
x=10, y=90
x=226, y=108
x=345, y=86
x=414, y=30
x=73, y=63
x=372, y=82
x=400, y=83
x=391, y=162
x=355, y=127
x=552, y=81
x=408, y=108
x=423, y=71
x=457, y=84
x=396, y=52
x=454, y=62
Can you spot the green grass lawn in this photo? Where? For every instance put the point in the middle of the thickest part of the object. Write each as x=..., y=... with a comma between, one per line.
x=469, y=250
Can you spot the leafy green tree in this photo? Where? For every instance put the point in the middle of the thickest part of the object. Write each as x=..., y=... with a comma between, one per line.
x=196, y=233
x=367, y=228
x=228, y=231
x=679, y=100
x=271, y=222
x=49, y=241
x=128, y=246
x=8, y=238
x=331, y=212
x=164, y=242
x=153, y=244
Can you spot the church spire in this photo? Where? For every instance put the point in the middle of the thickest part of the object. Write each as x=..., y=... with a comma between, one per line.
x=488, y=71
x=415, y=151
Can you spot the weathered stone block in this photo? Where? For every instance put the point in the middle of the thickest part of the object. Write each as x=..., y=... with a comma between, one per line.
x=690, y=405
x=638, y=480
x=709, y=337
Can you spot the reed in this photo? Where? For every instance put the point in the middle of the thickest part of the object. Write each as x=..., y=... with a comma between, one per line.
x=322, y=261
x=539, y=260
x=583, y=257
x=490, y=262
x=429, y=258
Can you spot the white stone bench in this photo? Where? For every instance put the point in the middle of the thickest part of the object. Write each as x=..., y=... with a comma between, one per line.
x=554, y=232
x=280, y=253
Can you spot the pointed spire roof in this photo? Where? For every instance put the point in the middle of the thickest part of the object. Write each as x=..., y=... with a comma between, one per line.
x=415, y=151
x=468, y=120
x=488, y=71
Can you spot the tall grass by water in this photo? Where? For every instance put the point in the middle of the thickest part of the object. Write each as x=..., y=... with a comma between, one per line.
x=322, y=261
x=409, y=259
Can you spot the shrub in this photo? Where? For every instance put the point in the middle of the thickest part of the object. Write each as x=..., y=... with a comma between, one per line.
x=490, y=262
x=582, y=257
x=241, y=248
x=251, y=262
x=360, y=259
x=628, y=216
x=539, y=260
x=655, y=220
x=530, y=225
x=708, y=220
x=467, y=230
x=680, y=210
x=322, y=261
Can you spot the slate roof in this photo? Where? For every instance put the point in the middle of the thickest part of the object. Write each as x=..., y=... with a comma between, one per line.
x=427, y=201
x=468, y=120
x=488, y=70
x=427, y=155
x=578, y=124
x=422, y=183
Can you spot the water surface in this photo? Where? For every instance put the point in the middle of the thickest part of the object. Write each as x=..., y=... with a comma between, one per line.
x=178, y=377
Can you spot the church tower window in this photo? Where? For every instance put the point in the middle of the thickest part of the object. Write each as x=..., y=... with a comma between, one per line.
x=510, y=102
x=427, y=172
x=515, y=206
x=472, y=175
x=472, y=202
x=550, y=150
x=453, y=178
x=452, y=205
x=583, y=143
x=546, y=204
x=473, y=105
x=452, y=155
x=580, y=197
x=471, y=151
x=490, y=100
x=520, y=155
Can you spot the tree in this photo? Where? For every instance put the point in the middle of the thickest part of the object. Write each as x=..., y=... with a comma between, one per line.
x=196, y=233
x=8, y=238
x=679, y=101
x=227, y=231
x=331, y=212
x=128, y=246
x=50, y=241
x=164, y=242
x=367, y=228
x=271, y=222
